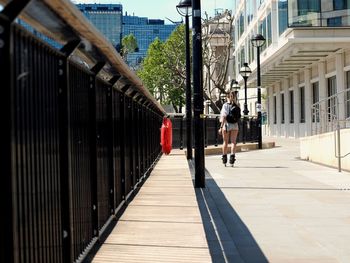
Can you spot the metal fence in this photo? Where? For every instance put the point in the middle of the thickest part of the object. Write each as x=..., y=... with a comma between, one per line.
x=74, y=148
x=248, y=128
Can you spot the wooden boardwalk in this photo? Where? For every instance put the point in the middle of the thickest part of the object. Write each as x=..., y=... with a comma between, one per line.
x=162, y=223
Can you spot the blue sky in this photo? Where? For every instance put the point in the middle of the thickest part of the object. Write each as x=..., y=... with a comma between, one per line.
x=161, y=8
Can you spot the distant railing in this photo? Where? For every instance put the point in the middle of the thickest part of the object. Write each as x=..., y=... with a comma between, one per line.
x=79, y=133
x=326, y=117
x=211, y=124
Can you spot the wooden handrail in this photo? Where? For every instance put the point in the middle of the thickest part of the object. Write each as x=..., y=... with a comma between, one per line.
x=67, y=13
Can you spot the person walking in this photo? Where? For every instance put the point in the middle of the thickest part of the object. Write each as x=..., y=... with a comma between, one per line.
x=229, y=117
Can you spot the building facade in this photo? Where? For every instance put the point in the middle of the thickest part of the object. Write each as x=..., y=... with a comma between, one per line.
x=305, y=62
x=145, y=31
x=107, y=18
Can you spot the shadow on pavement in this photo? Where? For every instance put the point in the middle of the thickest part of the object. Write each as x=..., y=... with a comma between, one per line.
x=228, y=238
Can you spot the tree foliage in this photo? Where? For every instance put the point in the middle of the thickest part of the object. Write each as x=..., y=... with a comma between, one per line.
x=129, y=45
x=163, y=71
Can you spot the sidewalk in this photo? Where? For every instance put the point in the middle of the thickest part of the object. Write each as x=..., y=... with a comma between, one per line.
x=162, y=223
x=274, y=207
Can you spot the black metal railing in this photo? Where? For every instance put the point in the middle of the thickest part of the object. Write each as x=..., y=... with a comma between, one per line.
x=77, y=141
x=211, y=126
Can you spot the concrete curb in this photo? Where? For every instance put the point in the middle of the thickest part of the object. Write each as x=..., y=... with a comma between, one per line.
x=215, y=150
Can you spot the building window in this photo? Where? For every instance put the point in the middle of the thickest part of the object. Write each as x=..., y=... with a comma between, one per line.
x=334, y=21
x=262, y=31
x=302, y=104
x=347, y=95
x=282, y=16
x=240, y=25
x=315, y=99
x=304, y=13
x=241, y=57
x=282, y=108
x=268, y=30
x=291, y=103
x=250, y=51
x=274, y=109
x=317, y=13
x=307, y=6
x=331, y=90
x=249, y=11
x=340, y=4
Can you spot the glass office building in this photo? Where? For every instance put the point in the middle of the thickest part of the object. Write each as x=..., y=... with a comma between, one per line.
x=107, y=18
x=145, y=31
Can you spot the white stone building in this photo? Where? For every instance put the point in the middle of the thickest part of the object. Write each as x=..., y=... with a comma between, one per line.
x=306, y=59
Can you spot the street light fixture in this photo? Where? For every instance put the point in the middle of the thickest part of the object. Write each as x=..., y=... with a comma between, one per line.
x=223, y=97
x=184, y=8
x=258, y=41
x=235, y=88
x=245, y=72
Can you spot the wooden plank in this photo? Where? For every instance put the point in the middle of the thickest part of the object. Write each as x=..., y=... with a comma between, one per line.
x=151, y=254
x=162, y=223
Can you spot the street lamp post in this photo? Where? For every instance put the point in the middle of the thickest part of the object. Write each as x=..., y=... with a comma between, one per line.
x=198, y=93
x=258, y=41
x=207, y=105
x=245, y=72
x=184, y=9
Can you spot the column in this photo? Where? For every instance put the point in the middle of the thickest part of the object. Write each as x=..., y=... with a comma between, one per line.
x=272, y=112
x=285, y=86
x=296, y=105
x=322, y=83
x=340, y=75
x=278, y=109
x=308, y=102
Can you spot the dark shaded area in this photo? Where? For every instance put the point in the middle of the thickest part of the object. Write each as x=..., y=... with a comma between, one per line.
x=228, y=237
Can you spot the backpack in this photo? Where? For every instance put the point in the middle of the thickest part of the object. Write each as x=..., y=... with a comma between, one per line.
x=234, y=114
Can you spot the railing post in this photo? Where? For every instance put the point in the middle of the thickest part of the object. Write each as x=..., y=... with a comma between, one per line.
x=338, y=134
x=122, y=146
x=93, y=145
x=65, y=175
x=205, y=132
x=7, y=181
x=111, y=177
x=181, y=132
x=8, y=237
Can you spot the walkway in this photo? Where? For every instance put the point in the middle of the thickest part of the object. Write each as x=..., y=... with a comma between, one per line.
x=162, y=223
x=274, y=207
x=271, y=207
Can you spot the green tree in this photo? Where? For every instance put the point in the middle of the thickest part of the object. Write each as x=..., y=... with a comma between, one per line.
x=153, y=70
x=163, y=71
x=129, y=45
